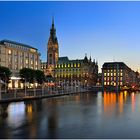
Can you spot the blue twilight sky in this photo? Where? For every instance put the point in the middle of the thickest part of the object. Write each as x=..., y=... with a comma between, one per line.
x=109, y=31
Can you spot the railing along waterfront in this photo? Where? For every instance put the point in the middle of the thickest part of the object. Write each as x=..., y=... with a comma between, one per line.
x=42, y=92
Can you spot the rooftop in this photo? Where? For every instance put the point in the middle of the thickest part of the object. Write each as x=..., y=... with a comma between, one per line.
x=66, y=60
x=112, y=64
x=16, y=43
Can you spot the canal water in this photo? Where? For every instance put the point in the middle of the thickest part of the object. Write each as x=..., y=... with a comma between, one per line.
x=85, y=115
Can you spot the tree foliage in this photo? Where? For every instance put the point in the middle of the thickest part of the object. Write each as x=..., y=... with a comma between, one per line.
x=39, y=76
x=32, y=76
x=5, y=74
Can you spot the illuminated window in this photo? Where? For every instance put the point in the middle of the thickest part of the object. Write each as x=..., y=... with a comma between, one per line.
x=114, y=74
x=108, y=83
x=121, y=83
x=75, y=65
x=31, y=62
x=111, y=74
x=71, y=65
x=107, y=74
x=68, y=65
x=104, y=74
x=9, y=52
x=35, y=62
x=78, y=65
x=26, y=61
x=65, y=65
x=121, y=74
x=105, y=78
x=104, y=83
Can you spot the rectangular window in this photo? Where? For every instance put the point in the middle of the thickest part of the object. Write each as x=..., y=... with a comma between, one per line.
x=9, y=52
x=26, y=61
x=31, y=62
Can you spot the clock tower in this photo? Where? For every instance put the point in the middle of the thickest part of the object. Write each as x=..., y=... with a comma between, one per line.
x=52, y=50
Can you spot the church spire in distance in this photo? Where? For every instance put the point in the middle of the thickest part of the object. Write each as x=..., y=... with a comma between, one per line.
x=52, y=22
x=53, y=32
x=52, y=48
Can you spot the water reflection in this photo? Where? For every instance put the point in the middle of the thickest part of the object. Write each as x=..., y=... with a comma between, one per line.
x=16, y=114
x=133, y=101
x=115, y=101
x=3, y=110
x=74, y=116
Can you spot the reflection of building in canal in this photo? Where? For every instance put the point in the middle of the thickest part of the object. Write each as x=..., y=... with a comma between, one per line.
x=3, y=110
x=133, y=100
x=52, y=120
x=32, y=108
x=30, y=116
x=114, y=101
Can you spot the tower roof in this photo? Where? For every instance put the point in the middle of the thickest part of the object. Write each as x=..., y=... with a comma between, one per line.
x=53, y=32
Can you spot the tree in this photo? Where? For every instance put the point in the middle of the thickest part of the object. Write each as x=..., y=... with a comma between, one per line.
x=27, y=75
x=31, y=76
x=39, y=76
x=5, y=74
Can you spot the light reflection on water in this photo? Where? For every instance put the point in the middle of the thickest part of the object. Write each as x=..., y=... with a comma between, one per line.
x=16, y=114
x=88, y=115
